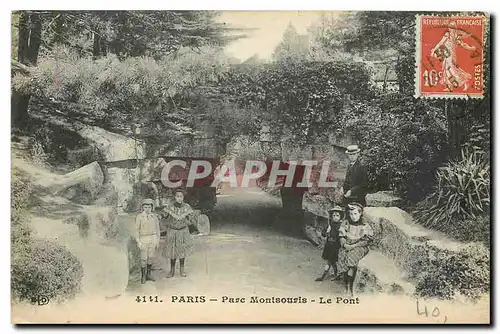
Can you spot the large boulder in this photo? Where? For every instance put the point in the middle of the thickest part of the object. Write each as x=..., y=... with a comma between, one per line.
x=316, y=204
x=420, y=252
x=203, y=224
x=123, y=180
x=378, y=273
x=383, y=198
x=313, y=235
x=82, y=185
x=113, y=146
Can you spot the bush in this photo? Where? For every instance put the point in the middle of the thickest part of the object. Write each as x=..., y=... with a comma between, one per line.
x=462, y=193
x=466, y=272
x=469, y=230
x=109, y=91
x=20, y=192
x=45, y=268
x=21, y=189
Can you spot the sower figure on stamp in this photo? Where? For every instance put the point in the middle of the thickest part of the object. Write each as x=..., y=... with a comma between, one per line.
x=332, y=245
x=355, y=237
x=446, y=51
x=356, y=179
x=148, y=237
x=178, y=243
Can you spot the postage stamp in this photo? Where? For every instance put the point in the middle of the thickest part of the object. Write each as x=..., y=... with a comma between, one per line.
x=449, y=56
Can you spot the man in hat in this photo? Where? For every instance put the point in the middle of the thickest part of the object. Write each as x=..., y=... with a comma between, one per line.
x=147, y=228
x=355, y=183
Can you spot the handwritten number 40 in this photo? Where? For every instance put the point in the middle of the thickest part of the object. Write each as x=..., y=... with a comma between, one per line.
x=435, y=312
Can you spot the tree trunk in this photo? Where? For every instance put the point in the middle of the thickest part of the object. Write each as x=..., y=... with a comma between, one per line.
x=457, y=126
x=58, y=30
x=23, y=37
x=96, y=49
x=35, y=38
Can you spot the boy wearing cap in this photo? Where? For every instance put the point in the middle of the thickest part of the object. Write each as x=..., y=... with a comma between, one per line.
x=356, y=179
x=332, y=245
x=147, y=228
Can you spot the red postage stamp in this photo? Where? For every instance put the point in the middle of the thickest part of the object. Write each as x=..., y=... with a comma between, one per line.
x=449, y=56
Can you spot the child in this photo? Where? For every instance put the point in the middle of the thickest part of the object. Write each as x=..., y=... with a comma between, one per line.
x=332, y=245
x=355, y=237
x=178, y=243
x=147, y=229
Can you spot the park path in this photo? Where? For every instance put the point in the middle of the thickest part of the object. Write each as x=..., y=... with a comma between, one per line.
x=247, y=253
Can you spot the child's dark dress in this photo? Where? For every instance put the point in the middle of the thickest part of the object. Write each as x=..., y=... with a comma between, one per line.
x=332, y=245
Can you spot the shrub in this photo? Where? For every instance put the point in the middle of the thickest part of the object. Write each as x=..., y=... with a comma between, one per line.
x=466, y=272
x=20, y=190
x=469, y=230
x=108, y=90
x=45, y=269
x=462, y=192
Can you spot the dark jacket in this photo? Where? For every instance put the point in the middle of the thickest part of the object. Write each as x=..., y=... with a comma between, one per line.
x=356, y=180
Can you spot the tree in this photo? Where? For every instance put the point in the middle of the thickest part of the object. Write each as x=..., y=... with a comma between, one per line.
x=137, y=33
x=293, y=47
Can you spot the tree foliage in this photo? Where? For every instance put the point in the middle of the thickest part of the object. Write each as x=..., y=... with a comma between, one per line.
x=299, y=99
x=67, y=39
x=132, y=33
x=293, y=47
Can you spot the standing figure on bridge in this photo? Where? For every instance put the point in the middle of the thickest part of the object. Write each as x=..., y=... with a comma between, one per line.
x=147, y=228
x=356, y=180
x=332, y=245
x=355, y=237
x=178, y=243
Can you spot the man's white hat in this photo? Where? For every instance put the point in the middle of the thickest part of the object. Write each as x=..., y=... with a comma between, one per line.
x=352, y=149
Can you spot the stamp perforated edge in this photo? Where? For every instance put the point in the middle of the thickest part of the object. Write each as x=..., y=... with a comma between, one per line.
x=485, y=16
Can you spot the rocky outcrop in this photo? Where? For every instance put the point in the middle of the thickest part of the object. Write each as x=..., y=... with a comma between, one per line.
x=378, y=273
x=203, y=224
x=398, y=237
x=402, y=250
x=383, y=198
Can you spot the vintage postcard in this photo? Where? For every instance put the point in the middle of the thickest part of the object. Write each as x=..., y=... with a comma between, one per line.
x=180, y=167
